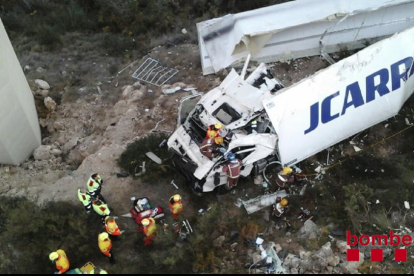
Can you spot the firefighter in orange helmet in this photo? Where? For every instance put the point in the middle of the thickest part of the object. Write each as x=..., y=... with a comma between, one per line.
x=176, y=206
x=149, y=229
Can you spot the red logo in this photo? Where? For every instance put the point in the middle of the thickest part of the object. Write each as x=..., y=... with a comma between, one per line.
x=400, y=255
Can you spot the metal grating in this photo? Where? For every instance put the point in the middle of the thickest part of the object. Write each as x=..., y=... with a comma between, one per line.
x=151, y=71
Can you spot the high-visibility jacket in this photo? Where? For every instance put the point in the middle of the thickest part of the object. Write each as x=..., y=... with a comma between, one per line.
x=151, y=229
x=102, y=210
x=62, y=263
x=94, y=186
x=212, y=132
x=176, y=208
x=105, y=246
x=85, y=198
x=112, y=227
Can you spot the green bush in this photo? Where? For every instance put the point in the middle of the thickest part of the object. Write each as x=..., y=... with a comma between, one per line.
x=48, y=36
x=131, y=159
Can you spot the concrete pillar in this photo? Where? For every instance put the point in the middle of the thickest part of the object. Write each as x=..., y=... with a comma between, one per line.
x=19, y=124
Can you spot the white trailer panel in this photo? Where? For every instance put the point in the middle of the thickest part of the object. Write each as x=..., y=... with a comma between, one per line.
x=343, y=99
x=299, y=28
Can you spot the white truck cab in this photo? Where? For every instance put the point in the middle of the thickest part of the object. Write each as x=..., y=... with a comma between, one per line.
x=234, y=104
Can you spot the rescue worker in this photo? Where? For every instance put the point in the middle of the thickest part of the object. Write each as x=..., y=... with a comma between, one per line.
x=176, y=206
x=213, y=131
x=101, y=208
x=94, y=186
x=280, y=207
x=112, y=227
x=105, y=245
x=86, y=199
x=284, y=178
x=150, y=230
x=208, y=147
x=232, y=168
x=98, y=270
x=61, y=261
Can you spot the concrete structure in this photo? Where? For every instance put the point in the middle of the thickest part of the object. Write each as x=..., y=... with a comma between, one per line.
x=19, y=124
x=299, y=28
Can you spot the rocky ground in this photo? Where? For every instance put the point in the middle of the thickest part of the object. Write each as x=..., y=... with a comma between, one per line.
x=93, y=114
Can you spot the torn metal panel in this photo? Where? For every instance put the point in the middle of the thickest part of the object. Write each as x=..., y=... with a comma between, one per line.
x=153, y=72
x=297, y=29
x=258, y=203
x=343, y=99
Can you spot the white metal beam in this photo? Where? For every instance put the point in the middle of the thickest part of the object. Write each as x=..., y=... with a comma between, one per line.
x=299, y=28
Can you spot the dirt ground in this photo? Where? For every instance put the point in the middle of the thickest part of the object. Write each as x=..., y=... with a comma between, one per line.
x=92, y=127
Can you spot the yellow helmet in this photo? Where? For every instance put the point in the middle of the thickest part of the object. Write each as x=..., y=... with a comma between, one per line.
x=284, y=202
x=218, y=126
x=103, y=236
x=145, y=222
x=176, y=197
x=53, y=256
x=286, y=171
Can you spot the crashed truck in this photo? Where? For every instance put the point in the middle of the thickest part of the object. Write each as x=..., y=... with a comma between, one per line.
x=294, y=122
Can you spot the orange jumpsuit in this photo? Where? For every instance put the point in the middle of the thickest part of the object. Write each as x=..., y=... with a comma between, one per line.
x=150, y=232
x=62, y=263
x=176, y=208
x=112, y=227
x=105, y=246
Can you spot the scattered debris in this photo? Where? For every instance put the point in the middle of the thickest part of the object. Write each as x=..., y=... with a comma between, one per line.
x=171, y=90
x=151, y=71
x=175, y=185
x=260, y=202
x=156, y=125
x=356, y=149
x=407, y=205
x=162, y=143
x=153, y=157
x=143, y=170
x=122, y=174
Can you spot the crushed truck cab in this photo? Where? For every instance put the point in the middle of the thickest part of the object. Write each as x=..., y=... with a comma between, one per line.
x=234, y=104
